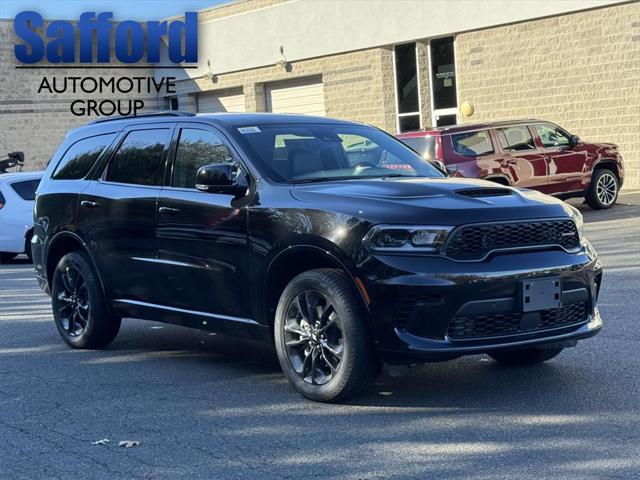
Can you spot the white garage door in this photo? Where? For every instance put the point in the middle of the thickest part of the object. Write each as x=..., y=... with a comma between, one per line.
x=221, y=101
x=300, y=95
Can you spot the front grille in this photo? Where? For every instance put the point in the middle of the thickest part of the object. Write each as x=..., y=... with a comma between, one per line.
x=475, y=242
x=470, y=327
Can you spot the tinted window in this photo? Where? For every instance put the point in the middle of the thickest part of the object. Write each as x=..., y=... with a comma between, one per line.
x=317, y=152
x=425, y=146
x=195, y=149
x=516, y=138
x=81, y=156
x=552, y=136
x=26, y=189
x=139, y=158
x=472, y=144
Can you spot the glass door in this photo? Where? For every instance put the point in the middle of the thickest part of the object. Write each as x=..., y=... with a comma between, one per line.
x=443, y=82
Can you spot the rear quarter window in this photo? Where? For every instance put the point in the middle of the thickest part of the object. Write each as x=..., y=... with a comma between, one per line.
x=26, y=189
x=80, y=157
x=472, y=144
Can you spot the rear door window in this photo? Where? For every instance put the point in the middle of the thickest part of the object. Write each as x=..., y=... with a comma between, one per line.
x=472, y=144
x=80, y=157
x=26, y=189
x=516, y=138
x=138, y=160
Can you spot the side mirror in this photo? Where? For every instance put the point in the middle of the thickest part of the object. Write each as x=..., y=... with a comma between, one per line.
x=574, y=140
x=218, y=178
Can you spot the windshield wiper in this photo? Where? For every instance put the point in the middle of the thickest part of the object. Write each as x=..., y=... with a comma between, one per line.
x=324, y=179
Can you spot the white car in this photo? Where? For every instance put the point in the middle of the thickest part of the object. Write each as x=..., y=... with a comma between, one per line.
x=17, y=195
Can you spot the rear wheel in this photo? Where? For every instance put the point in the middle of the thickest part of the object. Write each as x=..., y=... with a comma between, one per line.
x=525, y=356
x=79, y=307
x=603, y=191
x=322, y=339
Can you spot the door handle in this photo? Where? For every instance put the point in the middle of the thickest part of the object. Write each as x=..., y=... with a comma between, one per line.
x=512, y=161
x=169, y=210
x=89, y=204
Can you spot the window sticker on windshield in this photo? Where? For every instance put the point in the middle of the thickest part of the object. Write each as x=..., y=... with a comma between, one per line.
x=249, y=130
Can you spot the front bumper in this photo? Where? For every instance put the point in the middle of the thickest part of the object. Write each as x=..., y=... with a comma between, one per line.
x=417, y=302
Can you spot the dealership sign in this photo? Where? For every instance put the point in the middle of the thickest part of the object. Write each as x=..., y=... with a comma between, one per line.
x=59, y=44
x=95, y=41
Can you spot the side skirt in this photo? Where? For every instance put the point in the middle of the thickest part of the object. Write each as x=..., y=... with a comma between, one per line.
x=236, y=326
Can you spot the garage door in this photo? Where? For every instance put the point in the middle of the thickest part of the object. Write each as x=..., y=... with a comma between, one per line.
x=221, y=101
x=301, y=95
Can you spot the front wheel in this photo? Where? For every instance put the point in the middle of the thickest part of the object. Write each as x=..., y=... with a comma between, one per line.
x=525, y=356
x=603, y=191
x=321, y=337
x=79, y=307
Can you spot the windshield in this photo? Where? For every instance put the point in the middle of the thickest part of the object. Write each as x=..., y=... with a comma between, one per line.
x=300, y=153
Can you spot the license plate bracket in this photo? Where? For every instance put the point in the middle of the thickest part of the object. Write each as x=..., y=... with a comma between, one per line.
x=541, y=294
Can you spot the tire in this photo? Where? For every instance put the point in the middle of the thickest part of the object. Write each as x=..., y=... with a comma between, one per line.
x=79, y=307
x=603, y=190
x=525, y=356
x=331, y=359
x=6, y=257
x=27, y=246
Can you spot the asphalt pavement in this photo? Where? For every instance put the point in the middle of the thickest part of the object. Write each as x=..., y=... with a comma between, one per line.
x=206, y=406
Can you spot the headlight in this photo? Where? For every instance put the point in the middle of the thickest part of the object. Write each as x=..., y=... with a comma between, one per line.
x=579, y=221
x=406, y=238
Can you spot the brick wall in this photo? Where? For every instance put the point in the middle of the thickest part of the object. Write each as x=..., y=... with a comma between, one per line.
x=36, y=123
x=581, y=71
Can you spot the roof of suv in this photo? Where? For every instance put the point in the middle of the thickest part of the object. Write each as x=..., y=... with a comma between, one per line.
x=17, y=176
x=469, y=126
x=231, y=119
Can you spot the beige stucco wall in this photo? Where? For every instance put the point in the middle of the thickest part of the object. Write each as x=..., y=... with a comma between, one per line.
x=581, y=71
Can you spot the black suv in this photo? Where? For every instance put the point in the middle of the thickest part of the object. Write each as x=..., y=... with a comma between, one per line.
x=330, y=238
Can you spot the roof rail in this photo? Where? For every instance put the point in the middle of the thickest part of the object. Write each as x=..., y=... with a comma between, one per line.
x=162, y=113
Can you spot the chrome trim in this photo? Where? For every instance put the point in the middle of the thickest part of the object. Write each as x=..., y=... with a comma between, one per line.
x=183, y=310
x=162, y=261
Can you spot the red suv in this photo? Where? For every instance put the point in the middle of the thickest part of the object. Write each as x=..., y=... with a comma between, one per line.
x=526, y=153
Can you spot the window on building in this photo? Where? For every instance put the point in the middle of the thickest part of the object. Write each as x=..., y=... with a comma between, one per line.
x=552, y=136
x=26, y=189
x=443, y=73
x=195, y=149
x=516, y=138
x=472, y=144
x=408, y=100
x=138, y=160
x=80, y=157
x=172, y=103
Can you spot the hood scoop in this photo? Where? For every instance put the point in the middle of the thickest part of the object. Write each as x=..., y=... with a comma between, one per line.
x=484, y=192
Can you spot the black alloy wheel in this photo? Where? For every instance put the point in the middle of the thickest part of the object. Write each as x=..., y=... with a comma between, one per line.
x=322, y=337
x=72, y=300
x=80, y=309
x=313, y=337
